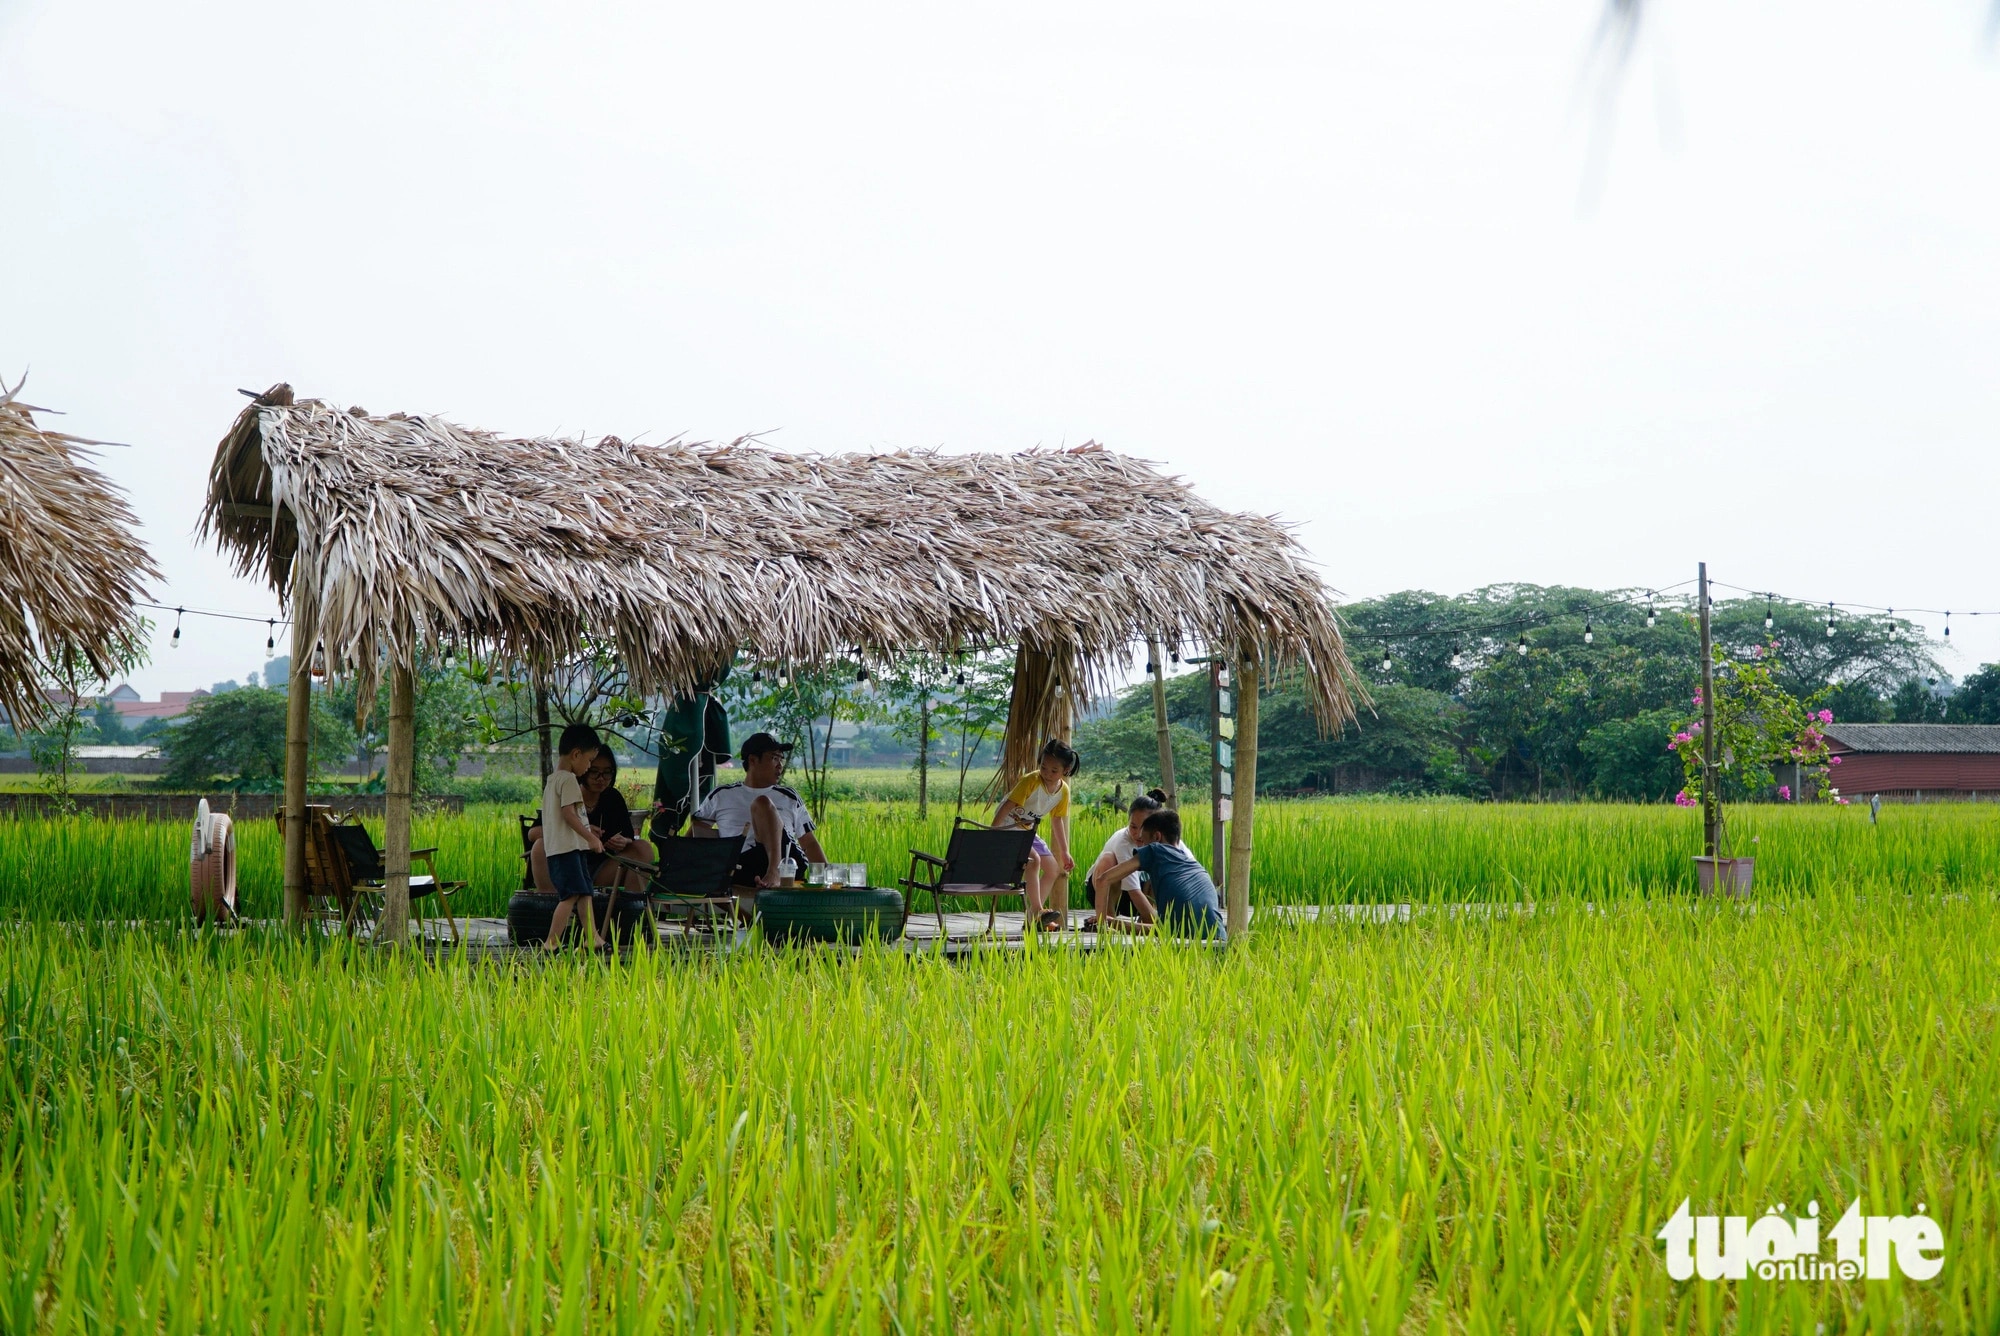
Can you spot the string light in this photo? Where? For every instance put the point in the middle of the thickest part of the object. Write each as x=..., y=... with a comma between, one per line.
x=271, y=639
x=1387, y=662
x=1652, y=618
x=1769, y=621
x=1892, y=623
x=756, y=676
x=1152, y=666
x=960, y=679
x=1522, y=648
x=1589, y=636
x=1174, y=654
x=175, y=643
x=1947, y=624
x=1829, y=621
x=861, y=673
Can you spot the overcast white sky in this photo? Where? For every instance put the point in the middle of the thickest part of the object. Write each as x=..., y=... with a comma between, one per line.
x=1340, y=262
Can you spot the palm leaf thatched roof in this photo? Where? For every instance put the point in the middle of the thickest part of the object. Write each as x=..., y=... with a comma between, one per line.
x=70, y=567
x=405, y=531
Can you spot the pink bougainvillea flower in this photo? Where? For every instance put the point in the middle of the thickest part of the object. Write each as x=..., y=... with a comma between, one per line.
x=1683, y=737
x=1758, y=651
x=1841, y=801
x=1826, y=716
x=1785, y=792
x=1833, y=760
x=1681, y=799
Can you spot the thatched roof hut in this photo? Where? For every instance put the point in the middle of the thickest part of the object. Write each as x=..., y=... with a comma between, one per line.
x=391, y=534
x=406, y=530
x=70, y=567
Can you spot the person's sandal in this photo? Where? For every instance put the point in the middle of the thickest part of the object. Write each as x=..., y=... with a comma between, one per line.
x=1052, y=921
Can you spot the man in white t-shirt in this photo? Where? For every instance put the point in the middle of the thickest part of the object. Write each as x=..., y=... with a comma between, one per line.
x=1117, y=849
x=772, y=821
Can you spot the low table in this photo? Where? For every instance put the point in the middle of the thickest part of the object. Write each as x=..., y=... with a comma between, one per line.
x=851, y=914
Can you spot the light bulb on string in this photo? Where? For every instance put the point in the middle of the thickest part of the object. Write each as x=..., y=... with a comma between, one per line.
x=1152, y=666
x=1947, y=624
x=1829, y=620
x=1892, y=623
x=1522, y=648
x=1769, y=622
x=175, y=643
x=270, y=639
x=1174, y=655
x=1652, y=618
x=1589, y=635
x=960, y=679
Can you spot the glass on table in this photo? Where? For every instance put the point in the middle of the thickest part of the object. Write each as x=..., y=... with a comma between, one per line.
x=857, y=874
x=836, y=875
x=815, y=874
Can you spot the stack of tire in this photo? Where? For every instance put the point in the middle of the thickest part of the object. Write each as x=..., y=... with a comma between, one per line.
x=851, y=916
x=529, y=913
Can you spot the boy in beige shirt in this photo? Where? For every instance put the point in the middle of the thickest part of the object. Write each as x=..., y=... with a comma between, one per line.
x=566, y=834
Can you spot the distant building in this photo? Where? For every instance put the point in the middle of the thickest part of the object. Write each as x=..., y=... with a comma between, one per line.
x=1914, y=762
x=132, y=708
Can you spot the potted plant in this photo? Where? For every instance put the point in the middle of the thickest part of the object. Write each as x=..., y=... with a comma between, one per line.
x=1756, y=724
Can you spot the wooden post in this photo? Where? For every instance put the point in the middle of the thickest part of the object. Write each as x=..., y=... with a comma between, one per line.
x=394, y=925
x=542, y=732
x=1711, y=806
x=1243, y=813
x=298, y=756
x=1218, y=848
x=1160, y=721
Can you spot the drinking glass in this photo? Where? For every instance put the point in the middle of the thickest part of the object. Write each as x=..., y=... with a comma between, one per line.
x=857, y=874
x=836, y=875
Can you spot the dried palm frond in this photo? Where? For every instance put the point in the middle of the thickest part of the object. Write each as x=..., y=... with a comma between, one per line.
x=405, y=531
x=70, y=567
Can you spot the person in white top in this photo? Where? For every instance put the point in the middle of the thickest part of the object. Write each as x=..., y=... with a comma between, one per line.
x=1118, y=849
x=772, y=821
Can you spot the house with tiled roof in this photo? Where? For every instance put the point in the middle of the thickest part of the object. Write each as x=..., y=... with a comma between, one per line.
x=1914, y=762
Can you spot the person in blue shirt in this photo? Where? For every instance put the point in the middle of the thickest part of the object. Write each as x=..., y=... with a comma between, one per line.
x=1179, y=893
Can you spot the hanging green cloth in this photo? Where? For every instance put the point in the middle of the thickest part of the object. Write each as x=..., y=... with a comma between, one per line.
x=694, y=737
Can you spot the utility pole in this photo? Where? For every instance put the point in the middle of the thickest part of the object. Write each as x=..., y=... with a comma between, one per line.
x=1711, y=810
x=1159, y=671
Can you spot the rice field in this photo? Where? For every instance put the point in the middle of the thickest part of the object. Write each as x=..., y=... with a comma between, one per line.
x=1475, y=1120
x=1309, y=852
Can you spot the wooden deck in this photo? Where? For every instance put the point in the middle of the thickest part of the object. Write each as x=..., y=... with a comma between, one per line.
x=964, y=934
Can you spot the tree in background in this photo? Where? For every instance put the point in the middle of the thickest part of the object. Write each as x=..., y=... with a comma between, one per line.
x=71, y=685
x=237, y=739
x=1977, y=700
x=974, y=713
x=448, y=720
x=799, y=708
x=912, y=688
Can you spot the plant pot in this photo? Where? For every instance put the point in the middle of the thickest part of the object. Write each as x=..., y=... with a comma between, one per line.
x=1724, y=876
x=529, y=912
x=852, y=915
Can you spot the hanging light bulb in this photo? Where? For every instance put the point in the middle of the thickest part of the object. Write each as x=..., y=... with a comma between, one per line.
x=1387, y=662
x=1152, y=666
x=1947, y=624
x=1522, y=648
x=960, y=679
x=1589, y=636
x=861, y=673
x=1457, y=657
x=1652, y=618
x=756, y=675
x=175, y=643
x=450, y=654
x=1174, y=654
x=1061, y=690
x=1768, y=622
x=271, y=639
x=1892, y=623
x=1829, y=620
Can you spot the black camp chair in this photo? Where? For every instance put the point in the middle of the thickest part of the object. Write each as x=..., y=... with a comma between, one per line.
x=693, y=873
x=364, y=865
x=979, y=862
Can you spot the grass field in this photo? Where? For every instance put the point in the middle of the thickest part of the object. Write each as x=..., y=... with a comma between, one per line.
x=1460, y=1123
x=1472, y=1121
x=1307, y=852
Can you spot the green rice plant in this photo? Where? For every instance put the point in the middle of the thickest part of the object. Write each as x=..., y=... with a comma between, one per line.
x=1466, y=1122
x=1307, y=852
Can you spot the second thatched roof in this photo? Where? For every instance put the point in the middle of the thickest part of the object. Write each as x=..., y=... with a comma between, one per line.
x=70, y=567
x=406, y=530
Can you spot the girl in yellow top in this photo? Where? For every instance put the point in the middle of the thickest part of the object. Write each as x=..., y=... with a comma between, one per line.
x=1044, y=796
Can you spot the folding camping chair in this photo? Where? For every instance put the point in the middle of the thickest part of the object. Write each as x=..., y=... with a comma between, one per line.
x=330, y=895
x=368, y=876
x=692, y=872
x=979, y=862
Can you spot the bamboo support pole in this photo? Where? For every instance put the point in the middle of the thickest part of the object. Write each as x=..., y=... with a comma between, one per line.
x=394, y=924
x=1243, y=812
x=1160, y=721
x=298, y=759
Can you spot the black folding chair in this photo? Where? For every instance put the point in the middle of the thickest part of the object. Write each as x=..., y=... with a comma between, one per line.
x=979, y=862
x=528, y=824
x=364, y=864
x=692, y=872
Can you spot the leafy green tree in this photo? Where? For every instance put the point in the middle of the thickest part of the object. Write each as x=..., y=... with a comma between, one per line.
x=1977, y=700
x=447, y=721
x=70, y=685
x=1629, y=759
x=238, y=738
x=1126, y=744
